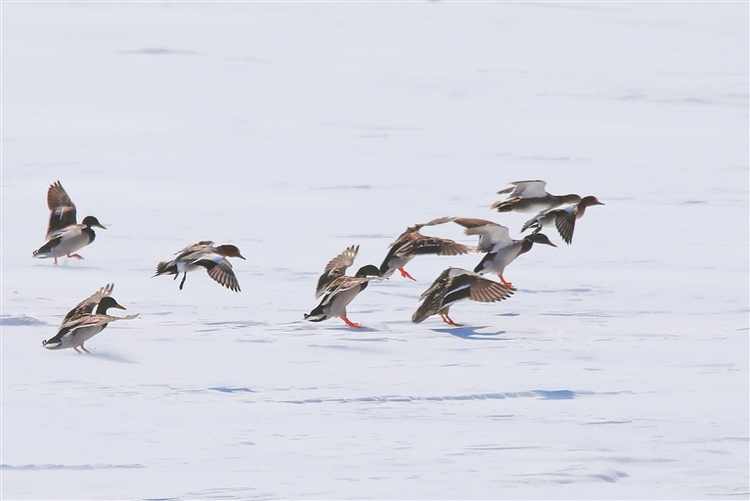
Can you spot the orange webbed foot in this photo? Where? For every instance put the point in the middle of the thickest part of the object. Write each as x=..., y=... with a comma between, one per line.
x=351, y=324
x=405, y=274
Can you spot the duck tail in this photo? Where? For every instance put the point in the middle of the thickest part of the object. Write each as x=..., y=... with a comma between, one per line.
x=165, y=268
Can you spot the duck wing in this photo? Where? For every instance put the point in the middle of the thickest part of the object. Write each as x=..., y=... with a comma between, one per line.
x=220, y=270
x=62, y=209
x=565, y=222
x=86, y=307
x=492, y=236
x=336, y=268
x=526, y=189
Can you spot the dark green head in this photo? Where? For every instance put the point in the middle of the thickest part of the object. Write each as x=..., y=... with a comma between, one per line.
x=540, y=238
x=92, y=221
x=107, y=303
x=369, y=271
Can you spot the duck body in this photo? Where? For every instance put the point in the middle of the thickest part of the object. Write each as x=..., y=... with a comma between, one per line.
x=454, y=285
x=66, y=241
x=203, y=255
x=562, y=218
x=82, y=323
x=64, y=236
x=412, y=243
x=531, y=196
x=337, y=290
x=494, y=239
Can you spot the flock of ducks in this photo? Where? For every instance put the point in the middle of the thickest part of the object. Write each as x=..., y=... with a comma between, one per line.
x=335, y=289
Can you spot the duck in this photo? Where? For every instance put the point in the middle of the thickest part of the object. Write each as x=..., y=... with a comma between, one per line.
x=531, y=196
x=456, y=284
x=494, y=239
x=412, y=243
x=82, y=323
x=204, y=254
x=338, y=290
x=563, y=218
x=64, y=236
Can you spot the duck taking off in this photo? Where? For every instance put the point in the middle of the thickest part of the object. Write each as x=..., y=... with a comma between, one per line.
x=563, y=218
x=82, y=323
x=501, y=250
x=65, y=237
x=204, y=255
x=338, y=290
x=531, y=196
x=412, y=243
x=453, y=285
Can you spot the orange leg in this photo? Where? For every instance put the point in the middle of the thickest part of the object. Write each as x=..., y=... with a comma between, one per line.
x=55, y=261
x=405, y=274
x=507, y=284
x=448, y=320
x=84, y=349
x=351, y=324
x=77, y=256
x=76, y=348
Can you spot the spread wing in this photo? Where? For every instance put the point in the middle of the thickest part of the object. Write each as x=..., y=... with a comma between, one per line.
x=220, y=269
x=422, y=244
x=526, y=189
x=565, y=222
x=62, y=209
x=490, y=234
x=87, y=306
x=336, y=268
x=484, y=290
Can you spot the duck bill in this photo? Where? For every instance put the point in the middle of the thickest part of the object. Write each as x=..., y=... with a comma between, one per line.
x=99, y=226
x=241, y=256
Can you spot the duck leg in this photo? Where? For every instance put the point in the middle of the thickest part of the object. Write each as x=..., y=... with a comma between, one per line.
x=77, y=256
x=84, y=349
x=505, y=283
x=184, y=276
x=76, y=349
x=405, y=274
x=55, y=261
x=350, y=323
x=448, y=320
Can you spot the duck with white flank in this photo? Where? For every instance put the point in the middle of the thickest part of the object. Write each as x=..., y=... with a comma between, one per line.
x=501, y=250
x=81, y=323
x=64, y=236
x=531, y=196
x=338, y=290
x=453, y=285
x=412, y=243
x=204, y=255
x=563, y=218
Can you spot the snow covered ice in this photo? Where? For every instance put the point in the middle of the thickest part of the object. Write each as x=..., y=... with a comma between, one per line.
x=619, y=369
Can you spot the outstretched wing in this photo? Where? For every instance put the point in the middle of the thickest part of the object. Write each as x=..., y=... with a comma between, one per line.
x=87, y=305
x=565, y=222
x=220, y=269
x=62, y=209
x=526, y=189
x=490, y=233
x=336, y=268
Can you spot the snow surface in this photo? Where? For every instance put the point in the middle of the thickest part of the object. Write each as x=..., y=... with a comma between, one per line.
x=293, y=130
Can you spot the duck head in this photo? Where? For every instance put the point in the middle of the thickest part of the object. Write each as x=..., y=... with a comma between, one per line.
x=90, y=221
x=370, y=271
x=229, y=250
x=107, y=303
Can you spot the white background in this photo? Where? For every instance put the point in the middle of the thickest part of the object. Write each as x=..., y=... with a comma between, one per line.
x=293, y=130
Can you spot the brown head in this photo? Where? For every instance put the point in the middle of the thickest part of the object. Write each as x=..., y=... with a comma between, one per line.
x=228, y=250
x=589, y=201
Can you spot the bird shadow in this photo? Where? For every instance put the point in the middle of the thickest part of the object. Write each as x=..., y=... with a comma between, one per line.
x=469, y=332
x=112, y=357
